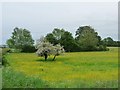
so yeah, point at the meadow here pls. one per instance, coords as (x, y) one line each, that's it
(0, 78)
(69, 70)
(0, 56)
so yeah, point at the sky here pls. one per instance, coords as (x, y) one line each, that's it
(0, 23)
(41, 18)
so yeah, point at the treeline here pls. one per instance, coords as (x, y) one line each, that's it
(110, 42)
(86, 39)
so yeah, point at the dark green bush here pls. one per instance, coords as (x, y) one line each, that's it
(4, 60)
(5, 50)
(28, 49)
(102, 48)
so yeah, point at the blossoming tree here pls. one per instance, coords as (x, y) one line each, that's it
(45, 48)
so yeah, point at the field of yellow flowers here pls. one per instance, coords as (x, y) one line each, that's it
(70, 70)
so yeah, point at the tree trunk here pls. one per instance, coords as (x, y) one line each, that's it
(54, 57)
(46, 56)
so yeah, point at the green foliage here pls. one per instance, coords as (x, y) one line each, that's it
(3, 59)
(0, 57)
(118, 43)
(10, 43)
(20, 38)
(87, 38)
(64, 38)
(5, 50)
(1, 78)
(12, 79)
(110, 42)
(55, 36)
(51, 38)
(28, 49)
(57, 33)
(68, 42)
(102, 48)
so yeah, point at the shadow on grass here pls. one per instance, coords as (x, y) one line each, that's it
(43, 60)
(50, 59)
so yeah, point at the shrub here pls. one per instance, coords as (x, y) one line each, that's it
(102, 48)
(28, 49)
(4, 60)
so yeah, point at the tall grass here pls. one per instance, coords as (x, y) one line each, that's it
(0, 78)
(13, 79)
(71, 70)
(0, 57)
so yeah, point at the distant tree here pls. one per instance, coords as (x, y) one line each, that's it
(87, 38)
(108, 41)
(64, 38)
(68, 42)
(28, 49)
(10, 43)
(45, 48)
(99, 41)
(55, 36)
(20, 38)
(118, 43)
(57, 33)
(51, 38)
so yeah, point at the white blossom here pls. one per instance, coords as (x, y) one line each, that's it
(44, 47)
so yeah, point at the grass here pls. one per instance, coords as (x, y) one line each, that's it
(0, 56)
(13, 79)
(70, 70)
(0, 78)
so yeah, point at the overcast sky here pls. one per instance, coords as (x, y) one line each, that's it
(42, 18)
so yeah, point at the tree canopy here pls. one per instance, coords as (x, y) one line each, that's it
(64, 38)
(55, 36)
(45, 48)
(87, 38)
(20, 38)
